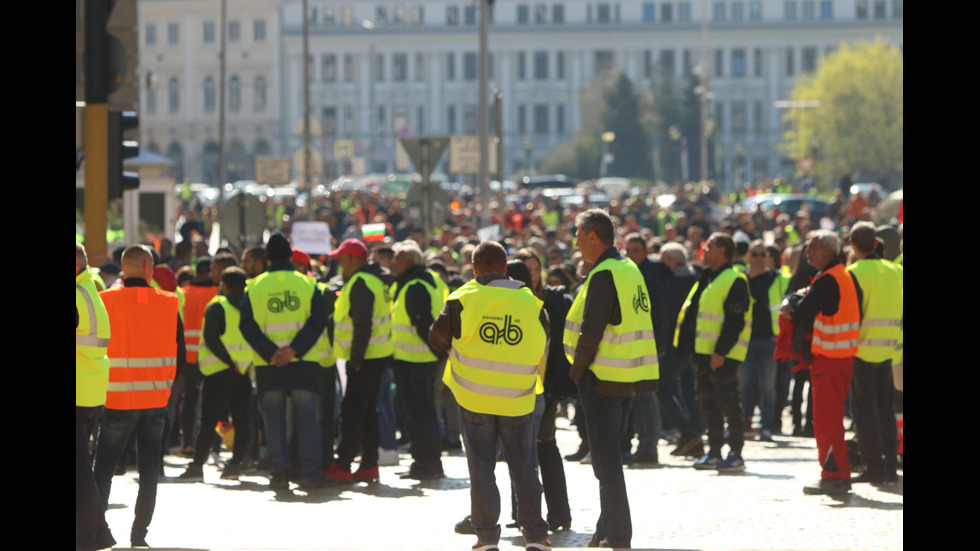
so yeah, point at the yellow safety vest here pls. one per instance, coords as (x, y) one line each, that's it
(232, 339)
(711, 315)
(281, 302)
(628, 351)
(493, 365)
(91, 343)
(777, 290)
(882, 306)
(408, 345)
(379, 345)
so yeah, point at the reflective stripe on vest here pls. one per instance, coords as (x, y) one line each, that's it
(628, 351)
(197, 298)
(409, 347)
(379, 343)
(837, 336)
(281, 302)
(493, 365)
(711, 315)
(882, 304)
(232, 339)
(91, 343)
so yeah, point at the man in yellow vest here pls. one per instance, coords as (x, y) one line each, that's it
(224, 360)
(497, 333)
(715, 323)
(282, 318)
(609, 340)
(882, 314)
(91, 381)
(362, 337)
(416, 302)
(146, 351)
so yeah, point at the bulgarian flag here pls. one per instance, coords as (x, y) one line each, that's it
(373, 232)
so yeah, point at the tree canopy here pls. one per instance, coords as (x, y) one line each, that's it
(858, 123)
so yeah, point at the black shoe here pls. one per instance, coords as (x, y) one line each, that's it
(464, 526)
(513, 524)
(231, 471)
(317, 483)
(194, 473)
(807, 432)
(556, 525)
(828, 487)
(577, 456)
(422, 474)
(279, 481)
(647, 458)
(686, 444)
(875, 479)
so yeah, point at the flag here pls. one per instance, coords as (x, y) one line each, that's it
(373, 232)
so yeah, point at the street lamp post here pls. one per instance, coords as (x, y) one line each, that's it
(607, 157)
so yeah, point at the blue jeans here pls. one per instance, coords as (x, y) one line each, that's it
(757, 376)
(481, 433)
(116, 428)
(646, 421)
(606, 419)
(306, 428)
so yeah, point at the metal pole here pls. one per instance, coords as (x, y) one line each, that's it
(222, 161)
(96, 129)
(483, 106)
(704, 90)
(308, 178)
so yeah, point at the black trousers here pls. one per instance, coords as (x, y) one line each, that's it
(717, 393)
(872, 394)
(222, 392)
(359, 415)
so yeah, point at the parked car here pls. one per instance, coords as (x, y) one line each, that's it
(774, 204)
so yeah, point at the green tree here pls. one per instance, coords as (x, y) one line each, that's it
(858, 123)
(678, 122)
(577, 158)
(625, 115)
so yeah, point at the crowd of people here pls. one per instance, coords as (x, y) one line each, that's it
(656, 322)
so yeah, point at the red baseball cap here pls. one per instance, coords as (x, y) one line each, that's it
(300, 256)
(352, 247)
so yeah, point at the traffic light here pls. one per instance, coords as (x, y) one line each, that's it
(119, 150)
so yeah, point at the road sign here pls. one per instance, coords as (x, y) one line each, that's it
(343, 149)
(464, 154)
(272, 171)
(242, 220)
(425, 152)
(427, 204)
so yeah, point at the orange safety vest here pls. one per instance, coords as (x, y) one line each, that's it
(143, 351)
(837, 336)
(195, 302)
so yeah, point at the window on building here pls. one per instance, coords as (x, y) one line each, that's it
(523, 14)
(398, 16)
(521, 66)
(328, 67)
(348, 68)
(379, 67)
(470, 120)
(898, 9)
(173, 95)
(616, 12)
(739, 61)
(208, 32)
(348, 121)
(738, 11)
(647, 63)
(718, 10)
(329, 16)
(452, 15)
(469, 66)
(210, 94)
(879, 9)
(755, 10)
(451, 119)
(347, 16)
(560, 65)
(719, 63)
(719, 118)
(420, 120)
(418, 15)
(740, 117)
(861, 9)
(329, 121)
(809, 10)
(683, 12)
(522, 119)
(381, 16)
(540, 65)
(541, 123)
(151, 100)
(757, 115)
(757, 62)
(558, 14)
(560, 119)
(258, 30)
(789, 10)
(419, 67)
(260, 94)
(540, 14)
(150, 34)
(667, 61)
(688, 61)
(469, 15)
(399, 67)
(603, 13)
(173, 34)
(826, 10)
(649, 12)
(790, 62)
(381, 128)
(451, 66)
(235, 94)
(604, 61)
(234, 31)
(588, 13)
(399, 120)
(809, 59)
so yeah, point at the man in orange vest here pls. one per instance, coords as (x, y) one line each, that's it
(145, 352)
(831, 308)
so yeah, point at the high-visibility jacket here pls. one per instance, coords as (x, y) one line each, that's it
(281, 301)
(143, 350)
(324, 344)
(179, 291)
(837, 336)
(232, 339)
(493, 365)
(409, 346)
(196, 300)
(379, 345)
(883, 299)
(628, 351)
(711, 316)
(777, 290)
(91, 343)
(441, 285)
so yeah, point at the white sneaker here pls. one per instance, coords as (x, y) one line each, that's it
(387, 458)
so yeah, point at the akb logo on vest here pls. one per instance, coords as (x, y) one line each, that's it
(510, 333)
(288, 301)
(640, 301)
